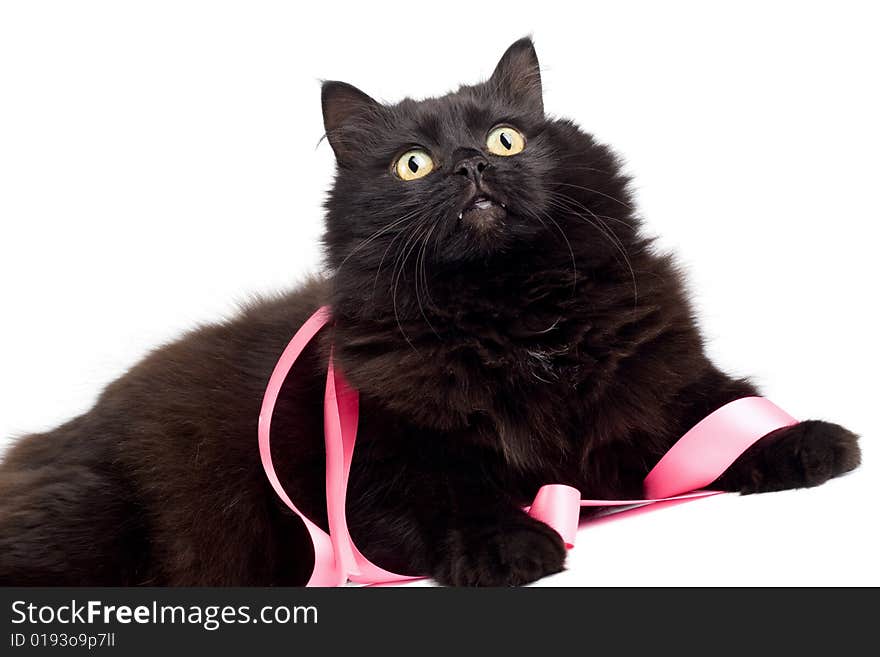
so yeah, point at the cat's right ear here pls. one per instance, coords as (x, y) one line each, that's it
(346, 109)
(518, 76)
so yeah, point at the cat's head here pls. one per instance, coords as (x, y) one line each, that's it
(477, 175)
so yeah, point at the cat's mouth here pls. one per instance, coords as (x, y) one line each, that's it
(483, 212)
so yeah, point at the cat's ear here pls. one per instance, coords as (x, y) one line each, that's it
(518, 76)
(346, 109)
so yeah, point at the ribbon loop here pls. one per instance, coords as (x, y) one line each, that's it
(559, 506)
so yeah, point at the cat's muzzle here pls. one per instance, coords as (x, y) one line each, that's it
(483, 213)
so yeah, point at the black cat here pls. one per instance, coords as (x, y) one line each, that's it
(506, 324)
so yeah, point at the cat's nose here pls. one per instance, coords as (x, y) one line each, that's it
(471, 167)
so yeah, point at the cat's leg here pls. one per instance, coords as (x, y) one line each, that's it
(65, 519)
(432, 514)
(803, 455)
(69, 517)
(236, 534)
(496, 547)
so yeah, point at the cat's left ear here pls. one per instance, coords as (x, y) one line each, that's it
(518, 76)
(347, 110)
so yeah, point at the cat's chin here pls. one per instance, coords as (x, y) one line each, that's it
(481, 237)
(482, 227)
(486, 228)
(481, 240)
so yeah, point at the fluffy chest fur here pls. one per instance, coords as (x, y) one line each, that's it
(543, 369)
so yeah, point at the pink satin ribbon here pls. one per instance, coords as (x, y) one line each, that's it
(694, 461)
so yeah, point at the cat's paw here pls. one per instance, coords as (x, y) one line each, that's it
(511, 552)
(805, 454)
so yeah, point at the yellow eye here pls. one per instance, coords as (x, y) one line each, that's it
(505, 141)
(414, 164)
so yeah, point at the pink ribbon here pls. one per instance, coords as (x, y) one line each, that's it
(697, 459)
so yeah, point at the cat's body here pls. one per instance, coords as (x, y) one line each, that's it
(535, 339)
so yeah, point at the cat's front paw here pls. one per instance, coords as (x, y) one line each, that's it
(511, 552)
(805, 454)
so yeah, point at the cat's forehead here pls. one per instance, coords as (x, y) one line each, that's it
(454, 116)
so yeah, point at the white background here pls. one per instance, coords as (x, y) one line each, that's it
(159, 162)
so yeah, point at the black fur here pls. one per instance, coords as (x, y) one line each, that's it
(547, 343)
